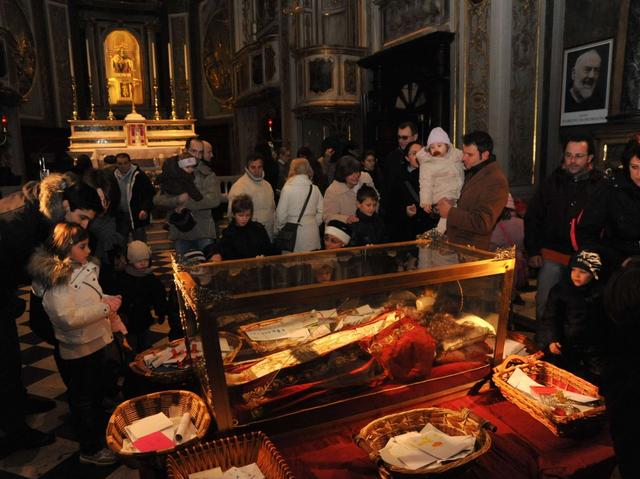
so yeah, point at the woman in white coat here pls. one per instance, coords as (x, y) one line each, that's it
(294, 192)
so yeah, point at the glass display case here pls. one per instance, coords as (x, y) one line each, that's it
(315, 336)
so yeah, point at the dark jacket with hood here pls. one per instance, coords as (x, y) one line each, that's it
(141, 290)
(368, 230)
(574, 317)
(247, 241)
(560, 198)
(176, 181)
(611, 221)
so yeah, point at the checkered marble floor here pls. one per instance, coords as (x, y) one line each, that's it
(40, 376)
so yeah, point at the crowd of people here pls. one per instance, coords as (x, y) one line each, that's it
(581, 233)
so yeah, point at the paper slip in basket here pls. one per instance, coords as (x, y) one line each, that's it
(403, 455)
(156, 441)
(147, 425)
(441, 445)
(250, 471)
(215, 473)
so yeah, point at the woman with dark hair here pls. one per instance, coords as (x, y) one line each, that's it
(621, 381)
(369, 162)
(610, 223)
(340, 197)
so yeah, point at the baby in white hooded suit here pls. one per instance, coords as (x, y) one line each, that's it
(441, 173)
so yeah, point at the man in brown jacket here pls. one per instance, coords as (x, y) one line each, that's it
(483, 196)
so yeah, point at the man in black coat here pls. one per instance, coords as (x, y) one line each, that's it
(553, 212)
(393, 166)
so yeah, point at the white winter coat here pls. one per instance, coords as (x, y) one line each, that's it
(292, 197)
(440, 177)
(261, 193)
(72, 299)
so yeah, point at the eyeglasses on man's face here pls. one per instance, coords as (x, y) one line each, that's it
(403, 137)
(576, 156)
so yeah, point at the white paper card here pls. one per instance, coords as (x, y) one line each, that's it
(148, 425)
(215, 473)
(438, 444)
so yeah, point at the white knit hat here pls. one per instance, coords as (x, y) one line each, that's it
(510, 203)
(185, 162)
(138, 251)
(438, 135)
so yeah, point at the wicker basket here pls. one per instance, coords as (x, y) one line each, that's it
(375, 435)
(174, 402)
(549, 375)
(229, 452)
(184, 374)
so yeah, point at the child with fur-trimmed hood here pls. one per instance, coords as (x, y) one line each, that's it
(84, 320)
(441, 173)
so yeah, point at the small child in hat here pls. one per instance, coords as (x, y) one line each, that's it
(141, 291)
(441, 173)
(336, 235)
(177, 176)
(572, 326)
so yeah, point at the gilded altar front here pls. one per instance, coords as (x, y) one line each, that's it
(141, 138)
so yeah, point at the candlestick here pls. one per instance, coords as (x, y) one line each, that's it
(156, 112)
(187, 113)
(74, 99)
(92, 111)
(349, 132)
(186, 63)
(86, 43)
(172, 89)
(170, 62)
(71, 69)
(110, 115)
(153, 61)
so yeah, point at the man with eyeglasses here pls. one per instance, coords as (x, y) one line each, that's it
(553, 212)
(391, 194)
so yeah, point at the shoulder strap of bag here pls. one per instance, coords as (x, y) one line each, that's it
(304, 207)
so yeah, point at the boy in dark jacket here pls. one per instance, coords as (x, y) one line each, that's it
(571, 328)
(369, 229)
(243, 238)
(141, 290)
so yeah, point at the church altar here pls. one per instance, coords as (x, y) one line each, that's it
(139, 137)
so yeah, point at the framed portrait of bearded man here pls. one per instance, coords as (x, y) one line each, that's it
(586, 83)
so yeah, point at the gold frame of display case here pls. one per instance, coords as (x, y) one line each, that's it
(202, 307)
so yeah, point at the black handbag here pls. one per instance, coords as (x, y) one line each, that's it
(286, 239)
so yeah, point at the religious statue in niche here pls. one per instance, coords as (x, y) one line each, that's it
(123, 67)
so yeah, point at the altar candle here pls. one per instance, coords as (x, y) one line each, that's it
(73, 73)
(186, 63)
(86, 44)
(153, 61)
(170, 61)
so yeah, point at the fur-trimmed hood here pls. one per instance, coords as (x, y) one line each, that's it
(50, 193)
(49, 271)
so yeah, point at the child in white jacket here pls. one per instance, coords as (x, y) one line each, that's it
(441, 173)
(83, 320)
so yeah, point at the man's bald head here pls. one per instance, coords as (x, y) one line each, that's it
(585, 74)
(208, 151)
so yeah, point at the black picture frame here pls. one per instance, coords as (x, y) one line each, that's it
(585, 100)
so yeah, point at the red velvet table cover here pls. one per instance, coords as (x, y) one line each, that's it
(522, 448)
